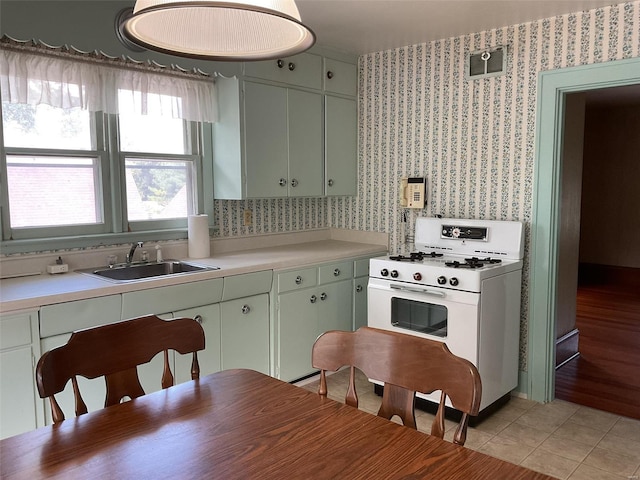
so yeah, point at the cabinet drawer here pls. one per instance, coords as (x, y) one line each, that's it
(171, 298)
(296, 279)
(340, 77)
(361, 267)
(71, 316)
(239, 286)
(335, 271)
(307, 70)
(15, 330)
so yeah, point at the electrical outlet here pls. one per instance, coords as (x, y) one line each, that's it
(248, 218)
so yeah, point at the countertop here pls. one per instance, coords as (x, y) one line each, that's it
(31, 292)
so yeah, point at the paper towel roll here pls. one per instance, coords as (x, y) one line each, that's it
(198, 228)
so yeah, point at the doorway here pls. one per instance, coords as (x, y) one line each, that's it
(598, 304)
(553, 87)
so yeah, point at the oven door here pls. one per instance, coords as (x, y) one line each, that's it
(449, 316)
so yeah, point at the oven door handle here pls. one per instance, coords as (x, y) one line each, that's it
(435, 293)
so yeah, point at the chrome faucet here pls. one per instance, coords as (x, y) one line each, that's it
(131, 252)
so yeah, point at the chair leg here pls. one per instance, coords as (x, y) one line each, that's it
(398, 401)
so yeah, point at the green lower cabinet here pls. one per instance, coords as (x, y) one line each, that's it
(209, 359)
(335, 311)
(244, 333)
(360, 302)
(20, 406)
(297, 330)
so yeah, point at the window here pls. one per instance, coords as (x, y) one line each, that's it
(104, 152)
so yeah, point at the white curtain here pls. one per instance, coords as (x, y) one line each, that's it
(66, 83)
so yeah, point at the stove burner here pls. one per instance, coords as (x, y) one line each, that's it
(422, 254)
(415, 257)
(473, 262)
(402, 258)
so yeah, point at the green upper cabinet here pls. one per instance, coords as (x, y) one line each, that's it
(303, 70)
(341, 146)
(340, 77)
(280, 135)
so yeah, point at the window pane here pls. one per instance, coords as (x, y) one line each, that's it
(42, 126)
(53, 191)
(158, 189)
(153, 132)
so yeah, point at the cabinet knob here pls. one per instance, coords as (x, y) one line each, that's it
(336, 272)
(198, 318)
(323, 296)
(282, 182)
(246, 309)
(330, 182)
(294, 182)
(329, 74)
(280, 63)
(313, 299)
(358, 288)
(292, 66)
(298, 280)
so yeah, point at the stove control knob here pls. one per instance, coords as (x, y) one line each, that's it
(384, 272)
(417, 276)
(442, 280)
(394, 274)
(454, 281)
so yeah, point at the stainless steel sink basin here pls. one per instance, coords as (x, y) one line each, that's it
(124, 272)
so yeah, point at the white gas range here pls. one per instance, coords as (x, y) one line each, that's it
(461, 287)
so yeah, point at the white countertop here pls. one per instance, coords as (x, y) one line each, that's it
(34, 291)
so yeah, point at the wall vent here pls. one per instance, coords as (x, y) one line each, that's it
(486, 63)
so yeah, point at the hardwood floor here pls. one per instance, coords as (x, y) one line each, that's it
(606, 375)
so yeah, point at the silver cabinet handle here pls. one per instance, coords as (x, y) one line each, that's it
(246, 309)
(292, 66)
(358, 288)
(294, 183)
(282, 182)
(198, 318)
(298, 280)
(336, 272)
(313, 299)
(323, 296)
(280, 63)
(330, 182)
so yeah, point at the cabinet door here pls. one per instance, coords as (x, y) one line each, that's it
(266, 149)
(340, 77)
(17, 392)
(360, 302)
(304, 70)
(335, 307)
(341, 145)
(297, 329)
(244, 333)
(209, 358)
(305, 144)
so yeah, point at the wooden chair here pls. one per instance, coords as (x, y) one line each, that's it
(406, 364)
(114, 351)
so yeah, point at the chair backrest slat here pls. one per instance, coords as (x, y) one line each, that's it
(114, 351)
(405, 364)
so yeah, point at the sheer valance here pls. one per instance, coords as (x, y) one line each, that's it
(35, 78)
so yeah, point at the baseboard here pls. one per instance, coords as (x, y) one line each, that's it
(567, 347)
(590, 274)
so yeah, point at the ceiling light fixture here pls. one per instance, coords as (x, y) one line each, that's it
(219, 29)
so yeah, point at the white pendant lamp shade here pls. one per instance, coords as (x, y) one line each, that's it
(219, 29)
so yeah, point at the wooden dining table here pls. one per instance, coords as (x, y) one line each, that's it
(240, 424)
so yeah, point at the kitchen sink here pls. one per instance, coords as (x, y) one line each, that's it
(126, 272)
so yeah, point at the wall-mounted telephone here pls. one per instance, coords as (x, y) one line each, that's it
(413, 192)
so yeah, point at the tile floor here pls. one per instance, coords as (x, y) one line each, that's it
(560, 439)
